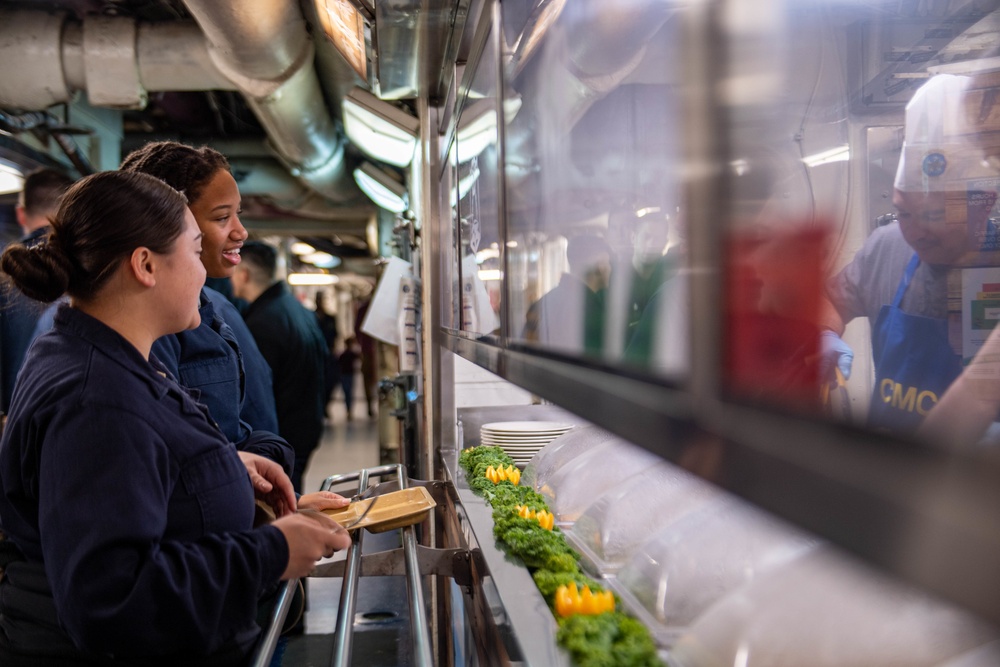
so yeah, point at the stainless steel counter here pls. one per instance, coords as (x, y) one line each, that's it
(527, 627)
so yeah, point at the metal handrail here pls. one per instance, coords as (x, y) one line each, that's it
(269, 639)
(419, 628)
(344, 633)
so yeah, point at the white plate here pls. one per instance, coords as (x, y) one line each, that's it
(523, 441)
(525, 427)
(520, 438)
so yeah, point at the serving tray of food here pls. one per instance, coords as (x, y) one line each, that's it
(385, 512)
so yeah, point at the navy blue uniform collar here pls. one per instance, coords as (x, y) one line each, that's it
(114, 346)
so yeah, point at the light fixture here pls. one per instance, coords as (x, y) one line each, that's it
(487, 253)
(477, 129)
(322, 260)
(300, 248)
(381, 187)
(312, 279)
(838, 154)
(465, 183)
(487, 275)
(345, 26)
(380, 129)
(11, 178)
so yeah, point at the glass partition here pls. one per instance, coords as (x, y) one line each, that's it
(595, 246)
(476, 174)
(860, 242)
(749, 213)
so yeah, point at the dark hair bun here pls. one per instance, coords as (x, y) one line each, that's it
(41, 273)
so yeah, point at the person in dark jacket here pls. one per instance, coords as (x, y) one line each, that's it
(347, 363)
(219, 358)
(37, 203)
(131, 513)
(327, 322)
(291, 341)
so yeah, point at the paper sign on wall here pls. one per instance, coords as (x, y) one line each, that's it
(382, 319)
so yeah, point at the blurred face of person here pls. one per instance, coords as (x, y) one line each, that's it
(650, 240)
(217, 212)
(599, 275)
(925, 227)
(182, 278)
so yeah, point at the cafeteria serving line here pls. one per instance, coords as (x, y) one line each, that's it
(672, 323)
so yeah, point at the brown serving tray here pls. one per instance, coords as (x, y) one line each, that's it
(392, 510)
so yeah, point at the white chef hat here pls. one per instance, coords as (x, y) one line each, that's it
(938, 144)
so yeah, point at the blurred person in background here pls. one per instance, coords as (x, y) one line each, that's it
(347, 364)
(570, 316)
(369, 361)
(292, 343)
(36, 205)
(899, 278)
(327, 322)
(127, 516)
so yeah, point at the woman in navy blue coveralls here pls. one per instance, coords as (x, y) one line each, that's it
(131, 513)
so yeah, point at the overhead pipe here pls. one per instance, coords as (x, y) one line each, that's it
(258, 47)
(49, 56)
(264, 48)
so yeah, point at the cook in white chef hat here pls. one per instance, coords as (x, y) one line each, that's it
(938, 143)
(934, 145)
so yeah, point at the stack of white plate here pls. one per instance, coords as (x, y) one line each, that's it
(521, 439)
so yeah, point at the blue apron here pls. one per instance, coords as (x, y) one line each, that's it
(914, 363)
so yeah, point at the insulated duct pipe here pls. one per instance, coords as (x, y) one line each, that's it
(47, 57)
(259, 48)
(264, 48)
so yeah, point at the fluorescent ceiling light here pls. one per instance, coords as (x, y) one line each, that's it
(300, 248)
(322, 260)
(838, 154)
(378, 128)
(381, 187)
(11, 178)
(477, 129)
(465, 184)
(312, 279)
(487, 253)
(489, 274)
(344, 25)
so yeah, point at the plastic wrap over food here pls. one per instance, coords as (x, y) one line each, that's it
(578, 483)
(695, 561)
(564, 449)
(612, 527)
(824, 610)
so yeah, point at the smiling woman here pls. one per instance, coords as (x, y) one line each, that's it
(220, 357)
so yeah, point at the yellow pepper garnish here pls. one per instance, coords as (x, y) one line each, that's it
(571, 601)
(545, 519)
(499, 474)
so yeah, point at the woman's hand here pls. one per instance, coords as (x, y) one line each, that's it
(270, 483)
(323, 500)
(310, 536)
